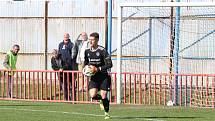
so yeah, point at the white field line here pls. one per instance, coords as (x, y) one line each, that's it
(76, 113)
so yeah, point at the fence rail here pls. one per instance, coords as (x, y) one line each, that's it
(195, 90)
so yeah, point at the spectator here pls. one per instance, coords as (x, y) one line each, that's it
(10, 64)
(65, 49)
(81, 45)
(57, 66)
(66, 52)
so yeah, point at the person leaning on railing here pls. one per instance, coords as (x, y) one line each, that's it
(10, 64)
(56, 64)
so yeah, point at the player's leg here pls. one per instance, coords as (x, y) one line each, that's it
(93, 93)
(105, 100)
(105, 86)
(93, 90)
(106, 103)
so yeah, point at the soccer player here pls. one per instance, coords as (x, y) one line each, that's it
(100, 61)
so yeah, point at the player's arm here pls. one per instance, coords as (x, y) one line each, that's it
(107, 60)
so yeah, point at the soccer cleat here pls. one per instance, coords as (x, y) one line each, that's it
(107, 116)
(101, 105)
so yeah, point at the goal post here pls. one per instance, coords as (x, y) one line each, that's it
(144, 39)
(166, 4)
(119, 53)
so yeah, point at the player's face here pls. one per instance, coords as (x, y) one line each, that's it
(93, 41)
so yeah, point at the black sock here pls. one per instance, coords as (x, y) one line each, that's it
(97, 97)
(106, 104)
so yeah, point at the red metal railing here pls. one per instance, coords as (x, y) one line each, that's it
(138, 88)
(158, 89)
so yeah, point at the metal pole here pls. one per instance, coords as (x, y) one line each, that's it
(106, 25)
(109, 30)
(119, 52)
(109, 26)
(171, 40)
(106, 35)
(176, 52)
(150, 44)
(172, 30)
(46, 34)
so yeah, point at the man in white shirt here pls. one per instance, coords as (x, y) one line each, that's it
(81, 45)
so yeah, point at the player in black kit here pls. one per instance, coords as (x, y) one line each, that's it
(100, 61)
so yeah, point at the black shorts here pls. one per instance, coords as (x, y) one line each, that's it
(100, 81)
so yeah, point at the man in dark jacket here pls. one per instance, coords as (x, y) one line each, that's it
(66, 52)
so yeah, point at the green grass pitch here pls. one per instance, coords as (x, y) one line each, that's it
(44, 111)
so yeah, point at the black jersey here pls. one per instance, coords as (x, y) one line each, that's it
(98, 58)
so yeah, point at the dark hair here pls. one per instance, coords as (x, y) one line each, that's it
(95, 34)
(16, 46)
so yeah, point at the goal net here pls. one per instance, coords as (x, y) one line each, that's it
(149, 42)
(172, 37)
